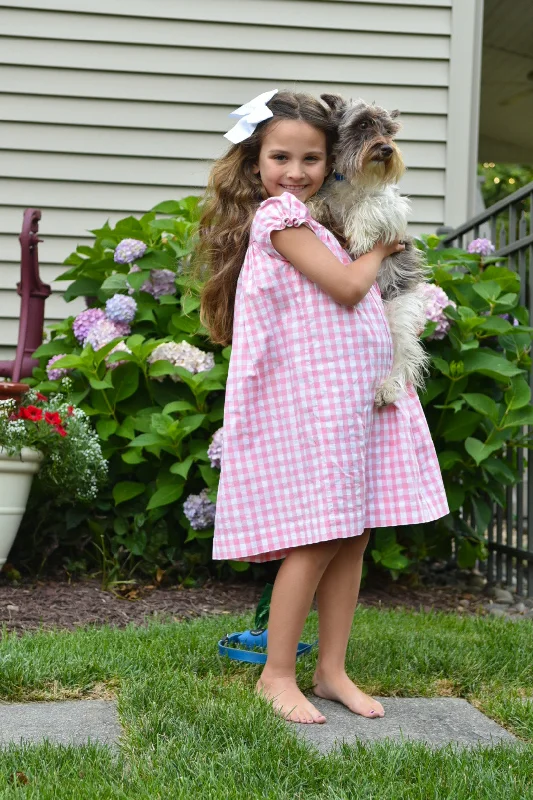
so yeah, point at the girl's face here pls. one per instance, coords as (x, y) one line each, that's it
(293, 159)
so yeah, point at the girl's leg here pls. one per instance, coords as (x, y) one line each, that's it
(293, 592)
(337, 595)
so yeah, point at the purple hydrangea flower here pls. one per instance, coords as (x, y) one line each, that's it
(214, 451)
(436, 302)
(184, 355)
(128, 250)
(161, 282)
(123, 328)
(482, 246)
(199, 510)
(121, 308)
(102, 333)
(60, 372)
(85, 321)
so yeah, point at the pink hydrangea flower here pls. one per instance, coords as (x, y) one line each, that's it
(482, 246)
(436, 301)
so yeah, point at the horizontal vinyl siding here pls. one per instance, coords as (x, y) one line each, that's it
(107, 108)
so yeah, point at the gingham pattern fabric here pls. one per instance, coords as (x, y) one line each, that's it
(306, 456)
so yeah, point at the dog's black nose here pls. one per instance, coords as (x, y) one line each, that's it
(386, 150)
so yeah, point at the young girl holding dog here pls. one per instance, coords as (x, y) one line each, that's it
(309, 465)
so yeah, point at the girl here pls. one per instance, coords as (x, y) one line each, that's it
(308, 465)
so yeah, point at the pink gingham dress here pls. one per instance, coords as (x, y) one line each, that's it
(306, 456)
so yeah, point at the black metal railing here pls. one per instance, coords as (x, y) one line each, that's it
(508, 224)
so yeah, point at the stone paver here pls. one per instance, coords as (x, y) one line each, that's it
(435, 721)
(62, 722)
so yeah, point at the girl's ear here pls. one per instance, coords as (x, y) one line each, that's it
(255, 169)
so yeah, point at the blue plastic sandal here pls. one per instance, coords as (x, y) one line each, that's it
(252, 638)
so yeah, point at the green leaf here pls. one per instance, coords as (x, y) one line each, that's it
(488, 290)
(467, 554)
(486, 363)
(460, 426)
(520, 417)
(482, 404)
(126, 429)
(80, 288)
(178, 405)
(166, 495)
(441, 365)
(106, 428)
(482, 514)
(98, 384)
(126, 490)
(149, 440)
(189, 303)
(480, 450)
(69, 362)
(394, 560)
(456, 496)
(192, 422)
(182, 467)
(136, 279)
(519, 393)
(53, 348)
(115, 283)
(125, 380)
(447, 459)
(501, 471)
(132, 457)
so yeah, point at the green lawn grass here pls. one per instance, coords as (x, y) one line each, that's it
(194, 729)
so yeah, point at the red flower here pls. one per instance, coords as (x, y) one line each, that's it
(52, 417)
(32, 413)
(70, 411)
(42, 397)
(61, 431)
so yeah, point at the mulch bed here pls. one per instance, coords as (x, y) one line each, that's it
(59, 604)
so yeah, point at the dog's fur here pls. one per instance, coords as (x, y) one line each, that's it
(367, 206)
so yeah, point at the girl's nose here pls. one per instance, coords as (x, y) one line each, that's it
(296, 170)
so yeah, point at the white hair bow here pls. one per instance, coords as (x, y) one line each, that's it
(251, 114)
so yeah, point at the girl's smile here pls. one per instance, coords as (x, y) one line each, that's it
(292, 159)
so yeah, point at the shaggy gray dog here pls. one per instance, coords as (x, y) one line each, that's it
(363, 200)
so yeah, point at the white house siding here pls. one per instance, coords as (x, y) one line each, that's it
(108, 107)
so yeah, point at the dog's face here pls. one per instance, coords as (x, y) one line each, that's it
(366, 152)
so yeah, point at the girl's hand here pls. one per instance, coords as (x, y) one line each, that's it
(384, 250)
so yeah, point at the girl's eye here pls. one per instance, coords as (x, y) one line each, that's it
(312, 158)
(279, 157)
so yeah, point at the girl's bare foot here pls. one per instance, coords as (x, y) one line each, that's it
(343, 690)
(288, 701)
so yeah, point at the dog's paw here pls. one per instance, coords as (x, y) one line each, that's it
(385, 395)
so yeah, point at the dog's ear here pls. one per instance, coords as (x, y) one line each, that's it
(395, 113)
(333, 101)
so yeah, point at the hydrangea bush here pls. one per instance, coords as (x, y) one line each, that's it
(476, 399)
(144, 371)
(153, 385)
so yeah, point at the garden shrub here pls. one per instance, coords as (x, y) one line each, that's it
(160, 423)
(476, 400)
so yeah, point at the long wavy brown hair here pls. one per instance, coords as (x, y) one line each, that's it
(232, 197)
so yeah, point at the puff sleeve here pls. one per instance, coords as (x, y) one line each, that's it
(275, 214)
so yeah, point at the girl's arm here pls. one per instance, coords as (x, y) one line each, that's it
(346, 284)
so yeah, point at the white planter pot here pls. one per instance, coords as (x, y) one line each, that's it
(16, 475)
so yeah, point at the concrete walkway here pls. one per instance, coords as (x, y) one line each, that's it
(435, 721)
(62, 722)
